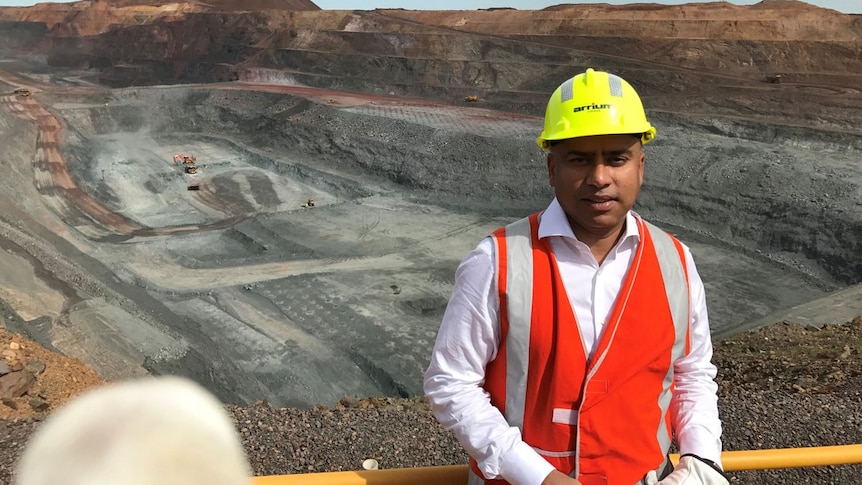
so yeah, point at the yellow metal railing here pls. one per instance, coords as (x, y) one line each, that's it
(437, 475)
(457, 474)
(791, 457)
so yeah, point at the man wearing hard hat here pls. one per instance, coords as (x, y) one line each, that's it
(576, 346)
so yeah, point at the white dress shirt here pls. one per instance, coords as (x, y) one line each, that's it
(469, 338)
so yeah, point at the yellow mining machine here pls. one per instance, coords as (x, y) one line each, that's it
(185, 159)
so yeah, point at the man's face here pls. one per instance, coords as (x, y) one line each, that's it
(596, 180)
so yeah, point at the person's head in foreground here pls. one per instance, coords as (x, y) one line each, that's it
(153, 431)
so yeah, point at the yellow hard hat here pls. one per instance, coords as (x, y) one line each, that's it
(594, 103)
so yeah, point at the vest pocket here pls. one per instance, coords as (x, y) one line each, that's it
(593, 480)
(564, 461)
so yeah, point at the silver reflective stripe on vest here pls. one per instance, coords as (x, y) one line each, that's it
(676, 287)
(519, 276)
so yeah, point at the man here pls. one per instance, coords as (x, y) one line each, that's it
(576, 346)
(152, 431)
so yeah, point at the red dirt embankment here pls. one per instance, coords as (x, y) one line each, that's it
(34, 380)
(784, 20)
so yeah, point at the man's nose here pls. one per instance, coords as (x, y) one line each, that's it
(599, 175)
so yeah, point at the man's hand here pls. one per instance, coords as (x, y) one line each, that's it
(691, 470)
(558, 478)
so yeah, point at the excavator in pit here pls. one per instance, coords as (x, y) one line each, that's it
(188, 161)
(185, 159)
(189, 167)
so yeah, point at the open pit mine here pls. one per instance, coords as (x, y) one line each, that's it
(272, 198)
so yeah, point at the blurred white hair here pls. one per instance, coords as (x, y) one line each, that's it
(152, 431)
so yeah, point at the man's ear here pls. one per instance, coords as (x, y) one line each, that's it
(551, 171)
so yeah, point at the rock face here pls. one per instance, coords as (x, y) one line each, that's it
(222, 5)
(362, 110)
(35, 380)
(780, 387)
(496, 54)
(155, 280)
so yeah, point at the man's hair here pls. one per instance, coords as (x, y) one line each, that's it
(153, 431)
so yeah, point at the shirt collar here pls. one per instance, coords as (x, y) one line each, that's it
(555, 223)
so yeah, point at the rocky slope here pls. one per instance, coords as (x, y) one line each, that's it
(220, 5)
(783, 386)
(708, 52)
(700, 68)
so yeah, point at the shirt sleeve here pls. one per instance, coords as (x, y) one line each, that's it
(694, 406)
(468, 339)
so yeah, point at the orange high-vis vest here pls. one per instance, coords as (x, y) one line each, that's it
(603, 420)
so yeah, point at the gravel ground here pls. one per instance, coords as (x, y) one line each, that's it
(779, 387)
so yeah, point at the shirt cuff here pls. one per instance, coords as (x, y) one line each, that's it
(523, 466)
(703, 450)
